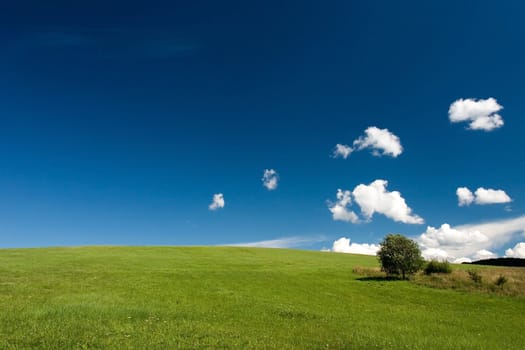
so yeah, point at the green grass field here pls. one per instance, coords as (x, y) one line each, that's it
(237, 298)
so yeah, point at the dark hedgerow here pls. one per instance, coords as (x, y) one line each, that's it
(435, 266)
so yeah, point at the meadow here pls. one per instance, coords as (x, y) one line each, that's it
(238, 298)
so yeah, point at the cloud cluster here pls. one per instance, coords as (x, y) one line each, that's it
(380, 141)
(342, 245)
(217, 202)
(481, 196)
(373, 198)
(270, 179)
(470, 242)
(517, 252)
(480, 114)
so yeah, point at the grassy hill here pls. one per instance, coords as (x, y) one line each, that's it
(243, 298)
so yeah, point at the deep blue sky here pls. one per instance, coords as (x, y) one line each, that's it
(120, 120)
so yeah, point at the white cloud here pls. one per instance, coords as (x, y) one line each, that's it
(490, 196)
(342, 245)
(473, 240)
(462, 260)
(517, 252)
(374, 198)
(482, 196)
(270, 179)
(217, 202)
(449, 239)
(465, 196)
(381, 141)
(484, 254)
(434, 254)
(284, 242)
(340, 210)
(342, 151)
(481, 114)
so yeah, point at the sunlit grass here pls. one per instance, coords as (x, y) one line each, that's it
(236, 298)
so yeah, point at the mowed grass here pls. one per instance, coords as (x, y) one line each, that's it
(235, 298)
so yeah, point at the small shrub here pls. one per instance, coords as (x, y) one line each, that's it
(474, 276)
(435, 266)
(501, 281)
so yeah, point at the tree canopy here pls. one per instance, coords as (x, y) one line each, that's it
(399, 256)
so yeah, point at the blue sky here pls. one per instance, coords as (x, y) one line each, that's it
(121, 121)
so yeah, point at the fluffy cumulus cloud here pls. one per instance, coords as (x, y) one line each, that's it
(480, 114)
(470, 242)
(517, 252)
(342, 151)
(340, 210)
(482, 196)
(270, 179)
(465, 196)
(381, 141)
(217, 202)
(373, 198)
(343, 245)
(489, 196)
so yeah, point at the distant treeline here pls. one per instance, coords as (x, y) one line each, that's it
(500, 262)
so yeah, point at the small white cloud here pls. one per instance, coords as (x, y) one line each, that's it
(490, 196)
(481, 114)
(342, 245)
(484, 254)
(374, 198)
(517, 252)
(340, 210)
(482, 196)
(342, 151)
(465, 196)
(270, 179)
(381, 141)
(217, 202)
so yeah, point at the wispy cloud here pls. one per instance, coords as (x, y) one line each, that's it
(283, 242)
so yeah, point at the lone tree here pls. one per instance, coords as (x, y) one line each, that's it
(399, 256)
